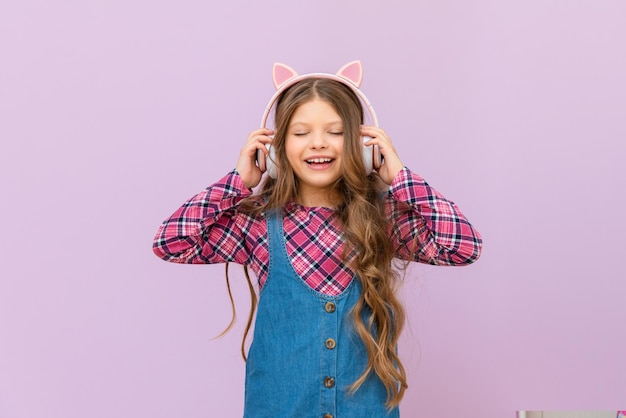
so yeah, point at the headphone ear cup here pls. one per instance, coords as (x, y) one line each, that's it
(368, 156)
(270, 165)
(378, 157)
(266, 163)
(372, 159)
(261, 161)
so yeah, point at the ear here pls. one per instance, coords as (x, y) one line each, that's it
(353, 71)
(282, 73)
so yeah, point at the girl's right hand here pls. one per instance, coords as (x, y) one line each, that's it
(247, 168)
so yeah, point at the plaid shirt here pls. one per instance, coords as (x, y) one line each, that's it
(209, 228)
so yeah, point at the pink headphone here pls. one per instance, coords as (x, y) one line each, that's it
(351, 75)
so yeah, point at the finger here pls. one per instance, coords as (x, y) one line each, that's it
(266, 139)
(254, 147)
(260, 133)
(380, 140)
(375, 133)
(372, 129)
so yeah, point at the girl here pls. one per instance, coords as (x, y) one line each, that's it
(320, 237)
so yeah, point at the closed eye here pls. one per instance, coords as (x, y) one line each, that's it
(336, 133)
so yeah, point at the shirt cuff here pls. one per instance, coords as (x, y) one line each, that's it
(236, 184)
(408, 187)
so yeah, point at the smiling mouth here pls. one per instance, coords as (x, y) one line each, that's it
(319, 161)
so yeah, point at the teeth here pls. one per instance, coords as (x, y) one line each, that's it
(319, 160)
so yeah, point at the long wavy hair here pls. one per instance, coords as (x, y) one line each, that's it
(378, 315)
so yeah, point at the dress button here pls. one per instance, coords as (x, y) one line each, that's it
(330, 307)
(328, 416)
(329, 382)
(330, 343)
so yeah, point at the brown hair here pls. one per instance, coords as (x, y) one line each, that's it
(365, 228)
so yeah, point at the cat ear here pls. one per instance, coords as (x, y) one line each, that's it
(282, 73)
(352, 71)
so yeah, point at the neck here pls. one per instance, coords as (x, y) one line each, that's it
(319, 198)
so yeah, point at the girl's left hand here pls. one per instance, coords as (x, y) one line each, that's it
(391, 165)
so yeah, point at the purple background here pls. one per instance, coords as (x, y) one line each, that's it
(114, 112)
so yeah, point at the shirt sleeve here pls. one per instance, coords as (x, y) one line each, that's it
(208, 228)
(427, 227)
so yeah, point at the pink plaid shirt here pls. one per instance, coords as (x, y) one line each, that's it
(209, 228)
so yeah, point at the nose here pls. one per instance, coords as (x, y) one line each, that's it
(318, 140)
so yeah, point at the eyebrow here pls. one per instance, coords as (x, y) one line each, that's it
(333, 123)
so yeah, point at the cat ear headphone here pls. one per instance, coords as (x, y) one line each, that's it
(351, 75)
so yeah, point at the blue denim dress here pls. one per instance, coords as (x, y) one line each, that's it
(305, 353)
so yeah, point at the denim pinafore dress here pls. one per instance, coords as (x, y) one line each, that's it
(305, 353)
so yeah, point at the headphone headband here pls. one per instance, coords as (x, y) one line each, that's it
(344, 76)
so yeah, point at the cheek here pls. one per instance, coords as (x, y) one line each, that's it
(340, 145)
(291, 152)
(288, 148)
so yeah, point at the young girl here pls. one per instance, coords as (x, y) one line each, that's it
(320, 237)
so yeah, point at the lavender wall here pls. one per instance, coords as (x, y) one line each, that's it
(114, 112)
